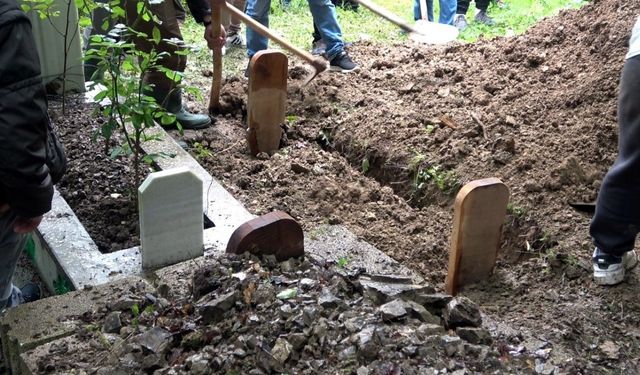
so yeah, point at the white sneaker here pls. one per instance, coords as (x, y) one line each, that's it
(610, 269)
(234, 40)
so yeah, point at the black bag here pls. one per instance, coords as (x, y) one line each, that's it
(56, 158)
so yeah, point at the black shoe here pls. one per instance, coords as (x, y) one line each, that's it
(246, 71)
(342, 63)
(482, 17)
(30, 292)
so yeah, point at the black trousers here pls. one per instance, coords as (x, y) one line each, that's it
(463, 6)
(616, 222)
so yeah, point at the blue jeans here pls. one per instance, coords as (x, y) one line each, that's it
(324, 16)
(447, 11)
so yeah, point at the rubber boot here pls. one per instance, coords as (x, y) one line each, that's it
(173, 104)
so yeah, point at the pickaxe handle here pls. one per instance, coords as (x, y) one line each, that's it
(389, 16)
(264, 31)
(318, 63)
(216, 83)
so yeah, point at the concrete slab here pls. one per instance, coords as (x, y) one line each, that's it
(327, 243)
(64, 249)
(171, 222)
(30, 325)
(338, 244)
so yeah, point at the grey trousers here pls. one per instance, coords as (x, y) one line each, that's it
(11, 245)
(616, 222)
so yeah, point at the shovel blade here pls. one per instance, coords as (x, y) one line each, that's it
(433, 33)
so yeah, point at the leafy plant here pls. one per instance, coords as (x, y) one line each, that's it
(61, 285)
(365, 165)
(135, 310)
(201, 151)
(516, 211)
(445, 181)
(129, 111)
(343, 262)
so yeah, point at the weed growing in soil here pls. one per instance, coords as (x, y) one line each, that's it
(518, 212)
(201, 151)
(343, 262)
(446, 181)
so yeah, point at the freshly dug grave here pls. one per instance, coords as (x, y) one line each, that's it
(248, 315)
(537, 111)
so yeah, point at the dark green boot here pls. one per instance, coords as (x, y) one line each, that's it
(173, 105)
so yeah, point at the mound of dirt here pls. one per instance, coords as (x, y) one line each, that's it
(537, 110)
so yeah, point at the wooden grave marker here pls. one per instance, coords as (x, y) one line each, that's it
(266, 105)
(171, 220)
(275, 233)
(479, 213)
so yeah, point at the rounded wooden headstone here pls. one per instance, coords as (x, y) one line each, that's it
(275, 233)
(479, 213)
(266, 104)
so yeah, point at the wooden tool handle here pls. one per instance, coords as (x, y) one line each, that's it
(423, 10)
(216, 83)
(264, 31)
(389, 16)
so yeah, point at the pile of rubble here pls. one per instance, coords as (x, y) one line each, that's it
(245, 315)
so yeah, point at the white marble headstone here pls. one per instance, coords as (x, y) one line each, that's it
(171, 219)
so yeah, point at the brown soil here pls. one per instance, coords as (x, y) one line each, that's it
(537, 111)
(97, 187)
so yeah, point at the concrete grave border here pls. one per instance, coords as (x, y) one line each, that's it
(65, 253)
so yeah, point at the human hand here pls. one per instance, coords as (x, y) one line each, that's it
(213, 42)
(25, 225)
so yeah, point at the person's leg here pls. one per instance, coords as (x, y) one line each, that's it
(11, 245)
(447, 11)
(168, 27)
(259, 11)
(324, 16)
(233, 25)
(462, 6)
(316, 33)
(482, 15)
(164, 88)
(417, 11)
(617, 219)
(181, 13)
(318, 46)
(429, 10)
(460, 19)
(482, 5)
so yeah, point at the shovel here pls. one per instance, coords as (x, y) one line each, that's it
(318, 64)
(423, 31)
(216, 82)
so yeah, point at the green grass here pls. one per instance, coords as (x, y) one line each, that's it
(295, 25)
